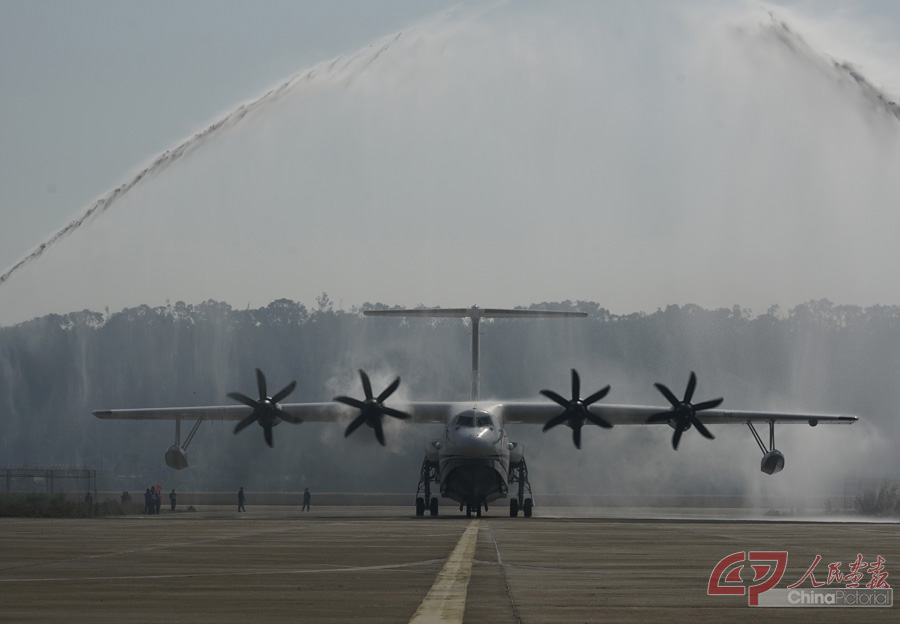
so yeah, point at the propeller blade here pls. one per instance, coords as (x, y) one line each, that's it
(389, 390)
(576, 410)
(555, 398)
(379, 432)
(679, 429)
(668, 394)
(708, 404)
(596, 396)
(372, 411)
(265, 411)
(244, 423)
(684, 413)
(600, 422)
(576, 385)
(243, 398)
(261, 385)
(284, 392)
(350, 401)
(390, 411)
(367, 385)
(692, 385)
(556, 420)
(283, 415)
(702, 428)
(359, 420)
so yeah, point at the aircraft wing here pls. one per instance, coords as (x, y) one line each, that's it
(437, 412)
(538, 413)
(420, 412)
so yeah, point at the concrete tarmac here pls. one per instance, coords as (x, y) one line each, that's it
(378, 564)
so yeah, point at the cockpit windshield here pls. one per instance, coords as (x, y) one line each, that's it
(466, 420)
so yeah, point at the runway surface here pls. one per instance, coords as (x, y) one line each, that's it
(382, 564)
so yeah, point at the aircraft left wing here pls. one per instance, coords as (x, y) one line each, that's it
(538, 413)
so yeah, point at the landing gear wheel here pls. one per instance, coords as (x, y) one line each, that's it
(478, 511)
(513, 507)
(433, 506)
(468, 511)
(526, 507)
(420, 506)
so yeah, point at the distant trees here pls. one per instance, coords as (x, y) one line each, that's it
(54, 370)
(879, 502)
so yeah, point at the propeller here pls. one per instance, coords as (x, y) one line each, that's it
(576, 411)
(684, 413)
(372, 410)
(266, 410)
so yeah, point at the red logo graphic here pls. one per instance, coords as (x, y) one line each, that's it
(765, 575)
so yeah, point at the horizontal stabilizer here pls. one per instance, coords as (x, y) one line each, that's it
(476, 312)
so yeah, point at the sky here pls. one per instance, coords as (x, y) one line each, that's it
(637, 154)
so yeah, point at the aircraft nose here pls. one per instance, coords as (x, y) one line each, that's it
(475, 442)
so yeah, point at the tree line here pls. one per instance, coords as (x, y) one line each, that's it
(55, 369)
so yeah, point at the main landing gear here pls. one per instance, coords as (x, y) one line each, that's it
(518, 473)
(427, 476)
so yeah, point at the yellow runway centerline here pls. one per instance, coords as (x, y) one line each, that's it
(446, 600)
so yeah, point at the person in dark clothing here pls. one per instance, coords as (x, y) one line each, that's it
(241, 499)
(172, 496)
(306, 497)
(154, 500)
(148, 500)
(88, 498)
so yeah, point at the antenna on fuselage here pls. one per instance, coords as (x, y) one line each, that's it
(475, 314)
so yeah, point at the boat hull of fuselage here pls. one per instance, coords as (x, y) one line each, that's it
(473, 481)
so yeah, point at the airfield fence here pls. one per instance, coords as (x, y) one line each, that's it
(50, 480)
(785, 504)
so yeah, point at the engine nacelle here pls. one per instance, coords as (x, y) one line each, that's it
(433, 451)
(516, 452)
(176, 457)
(772, 462)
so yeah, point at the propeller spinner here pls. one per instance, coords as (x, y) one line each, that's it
(372, 410)
(684, 413)
(266, 410)
(576, 412)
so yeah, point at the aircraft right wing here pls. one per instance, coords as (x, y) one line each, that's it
(421, 412)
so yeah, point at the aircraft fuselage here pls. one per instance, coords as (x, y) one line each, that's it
(473, 458)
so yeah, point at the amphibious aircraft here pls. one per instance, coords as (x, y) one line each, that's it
(474, 462)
